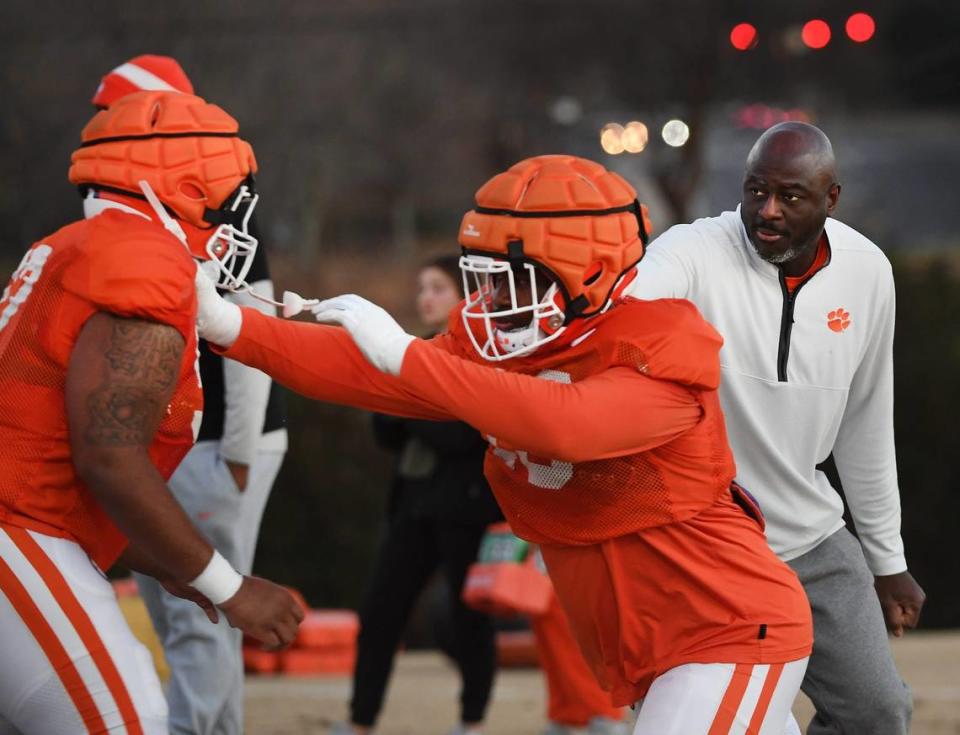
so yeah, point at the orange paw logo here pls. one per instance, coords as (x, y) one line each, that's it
(838, 320)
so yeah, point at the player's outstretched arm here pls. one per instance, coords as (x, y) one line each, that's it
(120, 379)
(617, 412)
(316, 361)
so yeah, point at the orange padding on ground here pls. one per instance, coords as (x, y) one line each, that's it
(517, 649)
(308, 662)
(256, 661)
(328, 629)
(325, 644)
(125, 587)
(507, 588)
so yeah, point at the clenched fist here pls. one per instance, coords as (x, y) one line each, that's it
(264, 611)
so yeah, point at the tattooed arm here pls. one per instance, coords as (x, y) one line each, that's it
(120, 379)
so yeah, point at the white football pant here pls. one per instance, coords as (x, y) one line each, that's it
(722, 699)
(68, 661)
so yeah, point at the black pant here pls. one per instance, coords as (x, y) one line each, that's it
(411, 552)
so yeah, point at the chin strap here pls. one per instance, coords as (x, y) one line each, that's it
(168, 222)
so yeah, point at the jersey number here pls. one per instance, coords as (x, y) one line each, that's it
(552, 476)
(21, 282)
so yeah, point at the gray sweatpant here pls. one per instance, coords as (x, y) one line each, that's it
(205, 692)
(851, 678)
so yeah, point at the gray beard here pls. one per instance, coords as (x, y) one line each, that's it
(785, 257)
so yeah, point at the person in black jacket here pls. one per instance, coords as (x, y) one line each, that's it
(438, 510)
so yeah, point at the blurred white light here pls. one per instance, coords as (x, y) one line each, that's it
(675, 133)
(793, 41)
(611, 138)
(566, 110)
(635, 137)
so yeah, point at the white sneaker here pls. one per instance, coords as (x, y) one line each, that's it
(342, 728)
(606, 726)
(463, 730)
(555, 728)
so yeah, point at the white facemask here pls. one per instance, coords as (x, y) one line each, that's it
(479, 273)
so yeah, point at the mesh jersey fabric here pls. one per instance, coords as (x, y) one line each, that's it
(549, 501)
(115, 262)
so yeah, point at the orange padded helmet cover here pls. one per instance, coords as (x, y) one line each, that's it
(188, 150)
(572, 216)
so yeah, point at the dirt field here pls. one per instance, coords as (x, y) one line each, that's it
(422, 700)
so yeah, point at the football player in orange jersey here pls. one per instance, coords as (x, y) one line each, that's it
(607, 442)
(100, 401)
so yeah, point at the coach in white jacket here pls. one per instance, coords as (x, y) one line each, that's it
(805, 305)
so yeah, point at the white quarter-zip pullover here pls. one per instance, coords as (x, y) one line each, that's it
(804, 375)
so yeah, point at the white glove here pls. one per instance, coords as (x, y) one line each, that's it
(381, 340)
(218, 321)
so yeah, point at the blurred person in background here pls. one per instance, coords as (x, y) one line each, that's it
(223, 483)
(438, 509)
(805, 305)
(607, 444)
(101, 400)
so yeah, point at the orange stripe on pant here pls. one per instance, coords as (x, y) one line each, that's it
(55, 652)
(766, 694)
(727, 711)
(82, 624)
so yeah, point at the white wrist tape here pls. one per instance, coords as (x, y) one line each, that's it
(218, 320)
(219, 581)
(222, 324)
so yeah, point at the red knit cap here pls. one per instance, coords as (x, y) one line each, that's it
(158, 73)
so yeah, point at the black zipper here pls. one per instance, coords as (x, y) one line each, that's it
(786, 316)
(786, 326)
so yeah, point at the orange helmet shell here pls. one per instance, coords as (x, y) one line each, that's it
(188, 150)
(571, 216)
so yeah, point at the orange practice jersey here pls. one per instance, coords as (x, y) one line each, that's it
(115, 262)
(612, 455)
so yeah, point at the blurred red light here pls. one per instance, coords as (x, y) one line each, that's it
(743, 37)
(815, 34)
(860, 27)
(760, 117)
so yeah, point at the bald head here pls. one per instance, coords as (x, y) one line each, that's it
(797, 143)
(789, 189)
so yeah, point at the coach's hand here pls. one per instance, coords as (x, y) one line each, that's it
(901, 599)
(377, 334)
(265, 611)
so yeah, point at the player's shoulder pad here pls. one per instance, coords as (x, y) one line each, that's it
(666, 339)
(133, 267)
